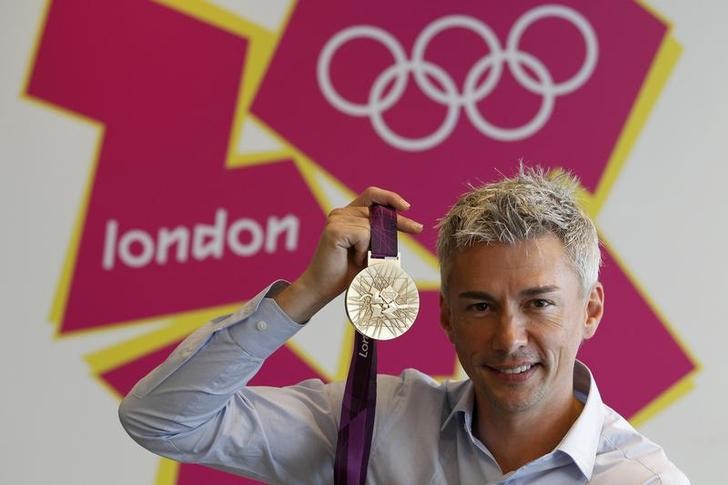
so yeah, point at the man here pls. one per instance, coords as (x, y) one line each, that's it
(520, 292)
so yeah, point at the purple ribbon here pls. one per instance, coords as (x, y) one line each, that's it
(357, 415)
(383, 222)
(360, 394)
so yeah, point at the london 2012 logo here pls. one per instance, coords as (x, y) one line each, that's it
(226, 135)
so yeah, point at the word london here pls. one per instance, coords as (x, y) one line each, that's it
(244, 237)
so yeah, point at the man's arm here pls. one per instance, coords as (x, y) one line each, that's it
(195, 406)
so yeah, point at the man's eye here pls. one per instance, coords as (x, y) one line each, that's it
(479, 307)
(541, 303)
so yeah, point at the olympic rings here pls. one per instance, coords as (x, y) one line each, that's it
(445, 91)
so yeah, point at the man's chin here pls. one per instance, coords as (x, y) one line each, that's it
(511, 395)
(513, 405)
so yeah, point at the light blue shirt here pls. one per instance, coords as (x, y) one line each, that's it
(195, 407)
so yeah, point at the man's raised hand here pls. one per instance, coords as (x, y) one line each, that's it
(341, 253)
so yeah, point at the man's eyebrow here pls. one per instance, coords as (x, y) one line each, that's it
(528, 292)
(539, 290)
(476, 295)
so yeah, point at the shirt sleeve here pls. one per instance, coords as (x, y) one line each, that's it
(195, 406)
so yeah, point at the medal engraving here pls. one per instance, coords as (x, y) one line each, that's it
(382, 301)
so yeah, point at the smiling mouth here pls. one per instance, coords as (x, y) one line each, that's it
(516, 370)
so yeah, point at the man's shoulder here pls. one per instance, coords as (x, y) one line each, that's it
(626, 454)
(410, 384)
(413, 381)
(417, 392)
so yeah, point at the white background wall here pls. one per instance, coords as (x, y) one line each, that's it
(665, 217)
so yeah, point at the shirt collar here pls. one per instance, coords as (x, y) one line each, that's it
(460, 397)
(580, 442)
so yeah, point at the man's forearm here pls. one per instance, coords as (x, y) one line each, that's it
(300, 302)
(189, 390)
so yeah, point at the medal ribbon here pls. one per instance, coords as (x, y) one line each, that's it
(360, 394)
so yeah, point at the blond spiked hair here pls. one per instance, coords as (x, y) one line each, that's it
(531, 204)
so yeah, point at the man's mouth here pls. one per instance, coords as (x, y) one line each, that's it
(513, 373)
(515, 370)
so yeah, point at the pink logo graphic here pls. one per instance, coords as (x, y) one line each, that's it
(168, 227)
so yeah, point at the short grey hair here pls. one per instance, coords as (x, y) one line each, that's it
(531, 204)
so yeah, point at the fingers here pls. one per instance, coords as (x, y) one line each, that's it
(405, 224)
(359, 216)
(375, 195)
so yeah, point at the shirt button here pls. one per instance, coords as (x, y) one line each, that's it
(261, 325)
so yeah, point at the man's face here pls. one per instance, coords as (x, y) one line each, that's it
(517, 315)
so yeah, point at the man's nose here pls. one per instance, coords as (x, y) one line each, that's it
(510, 334)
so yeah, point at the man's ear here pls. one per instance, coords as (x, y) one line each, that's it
(445, 321)
(594, 310)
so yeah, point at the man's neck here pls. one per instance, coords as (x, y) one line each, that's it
(518, 438)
